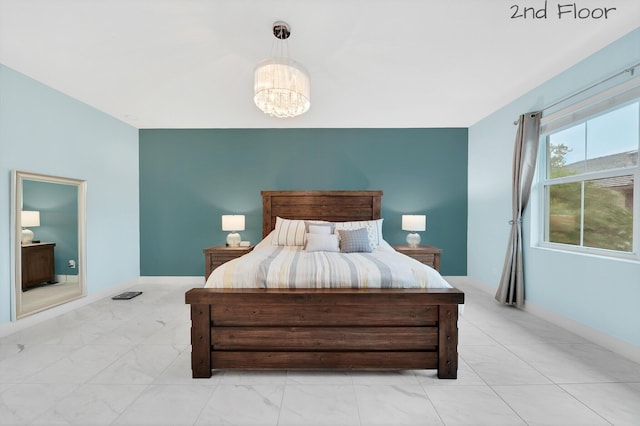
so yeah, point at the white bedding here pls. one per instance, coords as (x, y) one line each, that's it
(271, 266)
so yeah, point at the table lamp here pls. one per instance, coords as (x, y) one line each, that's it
(233, 223)
(413, 223)
(28, 219)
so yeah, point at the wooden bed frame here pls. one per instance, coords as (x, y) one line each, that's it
(377, 329)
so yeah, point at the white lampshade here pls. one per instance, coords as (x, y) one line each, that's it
(414, 222)
(29, 218)
(282, 88)
(233, 223)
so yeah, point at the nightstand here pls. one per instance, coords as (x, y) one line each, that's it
(37, 264)
(428, 255)
(215, 256)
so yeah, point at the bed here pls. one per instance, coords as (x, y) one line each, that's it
(323, 328)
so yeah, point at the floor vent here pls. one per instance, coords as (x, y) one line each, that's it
(127, 295)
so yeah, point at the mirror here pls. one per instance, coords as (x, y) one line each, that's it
(49, 223)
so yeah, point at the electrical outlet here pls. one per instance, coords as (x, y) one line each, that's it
(72, 264)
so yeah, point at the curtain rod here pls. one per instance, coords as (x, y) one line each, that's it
(630, 70)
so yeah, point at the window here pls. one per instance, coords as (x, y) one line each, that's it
(588, 169)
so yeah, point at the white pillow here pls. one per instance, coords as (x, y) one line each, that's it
(320, 229)
(319, 223)
(288, 232)
(322, 242)
(374, 230)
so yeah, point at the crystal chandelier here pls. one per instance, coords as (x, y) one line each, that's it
(282, 87)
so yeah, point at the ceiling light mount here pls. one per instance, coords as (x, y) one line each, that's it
(281, 30)
(281, 86)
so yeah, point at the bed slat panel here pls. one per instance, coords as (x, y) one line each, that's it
(326, 200)
(327, 338)
(329, 213)
(278, 315)
(325, 208)
(324, 360)
(326, 297)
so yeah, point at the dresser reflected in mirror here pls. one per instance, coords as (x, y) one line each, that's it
(49, 222)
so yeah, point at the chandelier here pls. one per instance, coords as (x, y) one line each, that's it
(281, 86)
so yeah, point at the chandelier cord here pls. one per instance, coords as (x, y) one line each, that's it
(278, 46)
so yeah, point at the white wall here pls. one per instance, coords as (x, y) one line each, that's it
(45, 131)
(599, 293)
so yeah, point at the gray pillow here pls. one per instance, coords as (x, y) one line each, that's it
(354, 241)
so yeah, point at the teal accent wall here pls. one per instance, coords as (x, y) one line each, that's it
(189, 178)
(58, 207)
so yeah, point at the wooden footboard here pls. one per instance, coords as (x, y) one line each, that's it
(384, 329)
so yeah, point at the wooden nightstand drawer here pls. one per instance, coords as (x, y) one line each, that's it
(428, 255)
(429, 259)
(217, 255)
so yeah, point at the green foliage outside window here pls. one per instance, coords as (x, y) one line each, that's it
(608, 213)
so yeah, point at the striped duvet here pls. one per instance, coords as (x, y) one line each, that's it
(270, 266)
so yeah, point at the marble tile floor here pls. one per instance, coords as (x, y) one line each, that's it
(127, 363)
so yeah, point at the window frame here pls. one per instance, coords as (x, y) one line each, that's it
(603, 103)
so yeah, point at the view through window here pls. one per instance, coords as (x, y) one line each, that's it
(589, 180)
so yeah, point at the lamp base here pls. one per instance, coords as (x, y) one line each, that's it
(27, 236)
(413, 239)
(233, 239)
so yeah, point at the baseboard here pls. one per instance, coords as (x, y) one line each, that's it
(195, 281)
(26, 322)
(611, 343)
(482, 286)
(67, 278)
(614, 344)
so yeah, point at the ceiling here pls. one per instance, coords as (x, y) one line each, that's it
(373, 63)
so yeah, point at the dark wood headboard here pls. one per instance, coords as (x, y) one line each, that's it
(333, 206)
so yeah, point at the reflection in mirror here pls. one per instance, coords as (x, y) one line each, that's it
(49, 241)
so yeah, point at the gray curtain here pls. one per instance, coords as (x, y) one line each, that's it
(525, 152)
